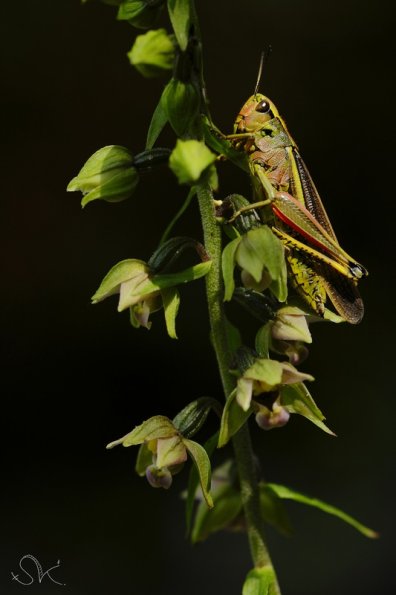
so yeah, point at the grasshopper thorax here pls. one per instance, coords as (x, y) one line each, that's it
(254, 114)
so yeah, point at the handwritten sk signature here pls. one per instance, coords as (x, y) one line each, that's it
(39, 569)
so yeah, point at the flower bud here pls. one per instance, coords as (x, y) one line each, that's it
(181, 104)
(159, 478)
(108, 175)
(291, 325)
(153, 53)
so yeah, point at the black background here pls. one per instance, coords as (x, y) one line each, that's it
(75, 377)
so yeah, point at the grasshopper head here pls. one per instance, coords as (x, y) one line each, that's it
(255, 113)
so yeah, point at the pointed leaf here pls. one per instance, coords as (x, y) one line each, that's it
(273, 510)
(156, 427)
(260, 581)
(296, 398)
(157, 124)
(232, 419)
(233, 336)
(180, 17)
(202, 463)
(216, 140)
(228, 265)
(171, 301)
(193, 480)
(289, 494)
(263, 339)
(159, 282)
(227, 506)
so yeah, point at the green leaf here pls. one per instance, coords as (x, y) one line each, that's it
(157, 124)
(190, 419)
(180, 16)
(228, 265)
(227, 506)
(232, 419)
(260, 249)
(296, 398)
(143, 460)
(189, 159)
(171, 302)
(263, 339)
(216, 140)
(233, 336)
(156, 427)
(202, 463)
(260, 581)
(193, 480)
(289, 494)
(119, 273)
(160, 282)
(153, 53)
(273, 510)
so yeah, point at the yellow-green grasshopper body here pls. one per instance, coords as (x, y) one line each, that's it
(318, 266)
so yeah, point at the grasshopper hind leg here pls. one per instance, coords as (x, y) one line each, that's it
(343, 293)
(306, 282)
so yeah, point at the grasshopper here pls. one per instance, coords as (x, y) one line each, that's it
(318, 267)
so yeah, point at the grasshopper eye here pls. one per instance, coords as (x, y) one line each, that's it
(263, 107)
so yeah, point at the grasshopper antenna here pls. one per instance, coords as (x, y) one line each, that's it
(265, 54)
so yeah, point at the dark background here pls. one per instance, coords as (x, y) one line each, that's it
(75, 377)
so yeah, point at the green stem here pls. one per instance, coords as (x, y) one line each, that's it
(241, 441)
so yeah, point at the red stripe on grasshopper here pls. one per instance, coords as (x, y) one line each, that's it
(299, 230)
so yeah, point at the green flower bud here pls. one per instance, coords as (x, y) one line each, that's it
(181, 104)
(140, 13)
(189, 159)
(108, 175)
(152, 53)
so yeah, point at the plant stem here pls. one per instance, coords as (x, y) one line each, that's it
(241, 441)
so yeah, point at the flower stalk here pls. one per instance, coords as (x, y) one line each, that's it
(241, 441)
